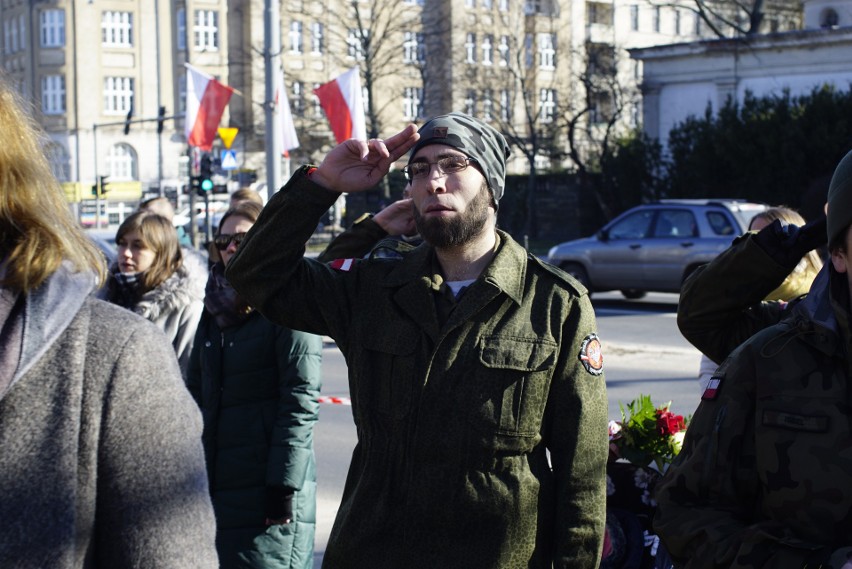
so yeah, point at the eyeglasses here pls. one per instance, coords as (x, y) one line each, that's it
(222, 240)
(446, 165)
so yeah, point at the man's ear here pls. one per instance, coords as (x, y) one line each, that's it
(838, 259)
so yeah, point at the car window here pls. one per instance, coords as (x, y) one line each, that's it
(637, 225)
(720, 224)
(675, 223)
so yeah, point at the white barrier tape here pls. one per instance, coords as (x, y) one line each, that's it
(335, 400)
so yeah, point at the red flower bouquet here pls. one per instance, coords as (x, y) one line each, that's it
(647, 433)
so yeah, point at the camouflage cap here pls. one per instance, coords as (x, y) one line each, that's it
(473, 137)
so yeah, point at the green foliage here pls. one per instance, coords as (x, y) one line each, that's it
(633, 172)
(769, 149)
(777, 149)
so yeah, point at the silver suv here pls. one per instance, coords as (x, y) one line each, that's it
(654, 247)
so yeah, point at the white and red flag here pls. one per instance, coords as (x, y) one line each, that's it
(343, 103)
(206, 100)
(286, 130)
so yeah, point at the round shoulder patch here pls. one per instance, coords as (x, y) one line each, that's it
(591, 354)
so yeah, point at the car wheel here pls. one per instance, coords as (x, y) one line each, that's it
(633, 294)
(577, 271)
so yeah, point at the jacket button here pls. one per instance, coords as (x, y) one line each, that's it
(207, 344)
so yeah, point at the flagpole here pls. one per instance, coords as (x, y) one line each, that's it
(272, 61)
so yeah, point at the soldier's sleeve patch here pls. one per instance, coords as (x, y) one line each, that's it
(344, 265)
(711, 392)
(591, 354)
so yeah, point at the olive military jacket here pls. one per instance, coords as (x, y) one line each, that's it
(454, 422)
(763, 478)
(721, 304)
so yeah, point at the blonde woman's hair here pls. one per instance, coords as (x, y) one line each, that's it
(158, 234)
(37, 230)
(799, 281)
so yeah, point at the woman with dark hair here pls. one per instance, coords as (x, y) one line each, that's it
(102, 463)
(257, 384)
(154, 279)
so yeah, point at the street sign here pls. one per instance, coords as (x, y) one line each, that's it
(229, 160)
(227, 135)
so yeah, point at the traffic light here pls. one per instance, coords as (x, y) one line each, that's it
(161, 117)
(100, 188)
(205, 184)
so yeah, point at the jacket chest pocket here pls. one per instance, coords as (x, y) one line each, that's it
(510, 385)
(386, 379)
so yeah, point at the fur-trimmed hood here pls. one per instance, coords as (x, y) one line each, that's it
(182, 288)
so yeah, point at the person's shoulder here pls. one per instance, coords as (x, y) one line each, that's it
(556, 275)
(113, 325)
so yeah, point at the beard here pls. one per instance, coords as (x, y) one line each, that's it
(460, 229)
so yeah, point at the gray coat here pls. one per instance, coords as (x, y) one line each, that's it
(101, 443)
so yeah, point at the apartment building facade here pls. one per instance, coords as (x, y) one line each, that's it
(92, 66)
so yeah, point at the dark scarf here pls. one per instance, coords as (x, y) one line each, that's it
(124, 288)
(222, 301)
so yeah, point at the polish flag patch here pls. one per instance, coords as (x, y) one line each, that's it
(344, 265)
(712, 389)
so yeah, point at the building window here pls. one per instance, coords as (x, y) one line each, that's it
(598, 13)
(470, 3)
(470, 48)
(487, 105)
(697, 25)
(503, 6)
(487, 47)
(355, 48)
(486, 4)
(504, 50)
(528, 50)
(829, 18)
(206, 30)
(547, 51)
(117, 29)
(22, 31)
(505, 105)
(52, 28)
(413, 48)
(118, 95)
(634, 17)
(121, 162)
(317, 37)
(181, 29)
(470, 103)
(677, 22)
(298, 99)
(657, 19)
(181, 102)
(317, 108)
(60, 162)
(547, 106)
(413, 2)
(295, 36)
(412, 103)
(53, 94)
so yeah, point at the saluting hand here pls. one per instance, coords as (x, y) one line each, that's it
(357, 165)
(397, 218)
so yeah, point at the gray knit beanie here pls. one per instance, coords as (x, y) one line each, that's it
(840, 199)
(476, 139)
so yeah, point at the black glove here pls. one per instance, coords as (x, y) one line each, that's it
(788, 243)
(279, 505)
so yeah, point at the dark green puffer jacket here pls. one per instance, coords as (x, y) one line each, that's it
(257, 385)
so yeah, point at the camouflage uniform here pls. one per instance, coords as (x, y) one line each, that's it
(366, 237)
(763, 479)
(454, 422)
(721, 304)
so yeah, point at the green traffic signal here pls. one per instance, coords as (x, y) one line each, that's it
(206, 185)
